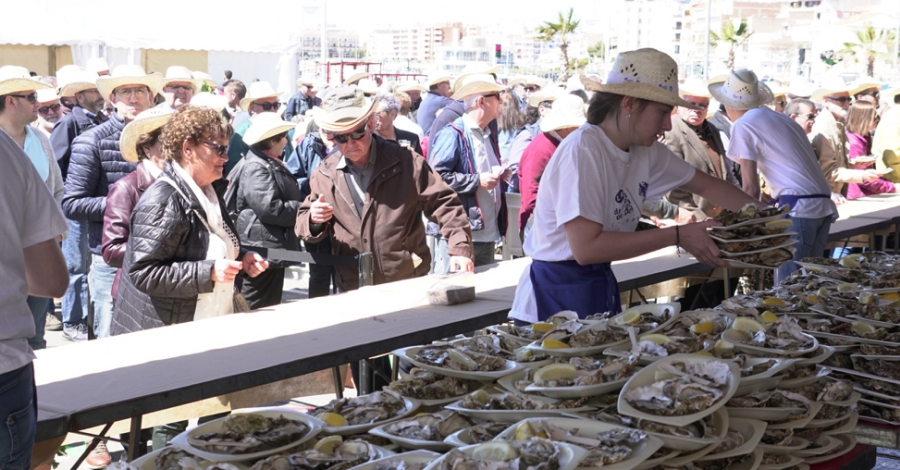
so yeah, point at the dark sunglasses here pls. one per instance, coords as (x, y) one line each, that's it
(47, 109)
(842, 99)
(32, 98)
(492, 95)
(344, 138)
(268, 106)
(220, 149)
(530, 88)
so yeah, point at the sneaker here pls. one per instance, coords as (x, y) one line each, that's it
(99, 457)
(76, 332)
(53, 323)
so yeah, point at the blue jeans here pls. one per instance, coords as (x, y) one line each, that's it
(75, 250)
(18, 412)
(484, 254)
(38, 306)
(100, 281)
(813, 236)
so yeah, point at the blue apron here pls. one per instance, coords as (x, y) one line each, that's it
(567, 285)
(792, 199)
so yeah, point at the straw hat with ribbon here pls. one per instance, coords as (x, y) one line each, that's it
(478, 83)
(863, 84)
(177, 73)
(407, 87)
(568, 111)
(47, 95)
(694, 87)
(356, 77)
(799, 88)
(831, 86)
(343, 109)
(645, 73)
(97, 65)
(209, 100)
(204, 79)
(265, 125)
(305, 82)
(258, 90)
(741, 90)
(15, 79)
(549, 94)
(368, 86)
(438, 78)
(145, 123)
(128, 75)
(74, 79)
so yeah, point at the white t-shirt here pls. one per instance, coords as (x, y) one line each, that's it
(590, 177)
(784, 157)
(30, 216)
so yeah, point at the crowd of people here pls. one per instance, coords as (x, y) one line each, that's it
(138, 198)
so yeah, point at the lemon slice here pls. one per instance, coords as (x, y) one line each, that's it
(542, 327)
(556, 372)
(814, 299)
(774, 301)
(768, 317)
(867, 298)
(847, 287)
(327, 445)
(551, 343)
(780, 224)
(524, 431)
(332, 419)
(862, 328)
(849, 263)
(822, 292)
(628, 318)
(656, 338)
(457, 356)
(703, 327)
(523, 354)
(495, 451)
(723, 347)
(891, 296)
(480, 396)
(747, 324)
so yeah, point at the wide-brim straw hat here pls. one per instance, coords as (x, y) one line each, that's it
(47, 95)
(265, 125)
(177, 73)
(204, 78)
(831, 86)
(408, 87)
(368, 86)
(477, 68)
(15, 79)
(209, 100)
(343, 109)
(305, 82)
(439, 78)
(694, 87)
(258, 90)
(476, 84)
(128, 75)
(741, 90)
(73, 79)
(645, 73)
(512, 82)
(145, 122)
(356, 77)
(568, 111)
(97, 65)
(863, 84)
(549, 94)
(799, 89)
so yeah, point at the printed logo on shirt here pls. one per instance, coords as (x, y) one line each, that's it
(626, 207)
(642, 189)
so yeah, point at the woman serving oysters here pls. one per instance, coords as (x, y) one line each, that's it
(593, 189)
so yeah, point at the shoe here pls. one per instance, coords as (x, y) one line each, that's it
(53, 323)
(99, 457)
(76, 332)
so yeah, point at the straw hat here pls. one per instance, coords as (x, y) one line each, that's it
(145, 122)
(474, 68)
(408, 87)
(830, 86)
(15, 79)
(97, 65)
(435, 79)
(128, 75)
(568, 111)
(544, 95)
(47, 95)
(534, 80)
(574, 83)
(73, 79)
(355, 78)
(265, 125)
(304, 82)
(887, 96)
(799, 89)
(741, 90)
(209, 100)
(694, 87)
(368, 86)
(258, 90)
(512, 82)
(204, 78)
(177, 73)
(343, 109)
(862, 84)
(479, 83)
(645, 73)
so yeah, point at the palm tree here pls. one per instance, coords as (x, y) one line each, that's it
(734, 36)
(560, 30)
(871, 44)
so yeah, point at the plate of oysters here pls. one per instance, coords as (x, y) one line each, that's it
(743, 436)
(679, 389)
(530, 333)
(433, 389)
(483, 431)
(172, 457)
(535, 453)
(512, 407)
(783, 337)
(249, 435)
(331, 452)
(751, 221)
(447, 359)
(348, 416)
(502, 347)
(579, 377)
(413, 460)
(424, 431)
(703, 433)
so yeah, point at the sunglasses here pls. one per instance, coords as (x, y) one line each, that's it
(32, 98)
(344, 138)
(47, 109)
(219, 148)
(492, 95)
(530, 88)
(842, 99)
(267, 106)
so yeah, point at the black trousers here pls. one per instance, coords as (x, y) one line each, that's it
(264, 290)
(319, 274)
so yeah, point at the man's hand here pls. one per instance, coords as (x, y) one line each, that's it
(838, 199)
(869, 176)
(461, 264)
(685, 216)
(488, 181)
(253, 264)
(225, 270)
(694, 239)
(320, 211)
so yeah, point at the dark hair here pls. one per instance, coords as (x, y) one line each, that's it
(434, 87)
(147, 140)
(860, 117)
(3, 103)
(192, 124)
(228, 74)
(268, 143)
(511, 118)
(897, 99)
(239, 89)
(581, 94)
(603, 104)
(794, 106)
(532, 115)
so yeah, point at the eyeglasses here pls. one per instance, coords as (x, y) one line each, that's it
(530, 88)
(267, 106)
(219, 148)
(32, 98)
(175, 87)
(699, 105)
(779, 103)
(47, 109)
(344, 138)
(811, 117)
(842, 99)
(492, 95)
(139, 92)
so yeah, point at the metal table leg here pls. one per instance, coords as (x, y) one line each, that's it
(338, 382)
(365, 378)
(136, 445)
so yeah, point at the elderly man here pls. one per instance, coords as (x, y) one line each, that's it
(234, 91)
(178, 87)
(866, 89)
(886, 143)
(387, 110)
(770, 142)
(49, 111)
(466, 153)
(403, 120)
(96, 164)
(437, 98)
(261, 98)
(300, 103)
(803, 112)
(414, 91)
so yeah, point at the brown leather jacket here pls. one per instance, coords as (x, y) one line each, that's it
(122, 197)
(403, 188)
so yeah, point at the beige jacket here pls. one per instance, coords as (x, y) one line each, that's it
(829, 141)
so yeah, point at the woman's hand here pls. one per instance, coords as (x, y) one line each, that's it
(694, 239)
(254, 264)
(225, 270)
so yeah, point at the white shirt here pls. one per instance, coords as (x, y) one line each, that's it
(784, 157)
(488, 200)
(590, 177)
(30, 216)
(404, 123)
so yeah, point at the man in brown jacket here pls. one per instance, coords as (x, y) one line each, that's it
(370, 195)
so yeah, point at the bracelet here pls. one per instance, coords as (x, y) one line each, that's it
(677, 241)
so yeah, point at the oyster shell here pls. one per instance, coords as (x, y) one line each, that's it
(426, 385)
(733, 439)
(349, 454)
(247, 433)
(509, 401)
(366, 409)
(534, 454)
(169, 457)
(429, 427)
(451, 357)
(693, 387)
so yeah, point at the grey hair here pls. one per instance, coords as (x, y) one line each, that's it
(470, 101)
(794, 106)
(389, 102)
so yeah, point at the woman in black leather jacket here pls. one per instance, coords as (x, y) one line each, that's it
(182, 255)
(267, 199)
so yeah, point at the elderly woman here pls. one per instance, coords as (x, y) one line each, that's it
(387, 111)
(266, 197)
(182, 254)
(140, 144)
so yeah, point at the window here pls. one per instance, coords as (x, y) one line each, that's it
(677, 37)
(677, 25)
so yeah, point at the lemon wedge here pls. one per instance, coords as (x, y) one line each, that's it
(332, 419)
(656, 338)
(495, 451)
(551, 343)
(327, 445)
(774, 301)
(480, 396)
(524, 431)
(867, 298)
(747, 324)
(556, 372)
(460, 357)
(628, 318)
(768, 317)
(703, 327)
(822, 292)
(847, 287)
(849, 263)
(780, 224)
(723, 348)
(542, 327)
(891, 296)
(862, 328)
(523, 354)
(812, 299)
